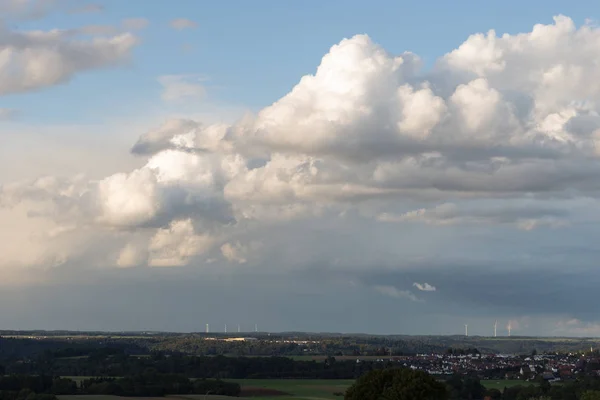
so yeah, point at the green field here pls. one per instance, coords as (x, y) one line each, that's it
(190, 397)
(501, 384)
(259, 389)
(290, 389)
(300, 388)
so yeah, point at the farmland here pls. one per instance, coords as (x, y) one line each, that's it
(299, 388)
(272, 389)
(285, 389)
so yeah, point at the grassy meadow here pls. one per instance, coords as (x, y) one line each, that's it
(257, 389)
(281, 389)
(298, 388)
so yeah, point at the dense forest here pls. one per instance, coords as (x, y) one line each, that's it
(110, 364)
(296, 344)
(148, 384)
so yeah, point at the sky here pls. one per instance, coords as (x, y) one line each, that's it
(379, 167)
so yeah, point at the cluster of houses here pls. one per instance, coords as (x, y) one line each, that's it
(503, 366)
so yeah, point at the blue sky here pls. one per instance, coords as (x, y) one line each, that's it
(146, 168)
(248, 65)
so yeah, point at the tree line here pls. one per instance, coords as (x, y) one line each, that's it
(275, 345)
(147, 384)
(221, 367)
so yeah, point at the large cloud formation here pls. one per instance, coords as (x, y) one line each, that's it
(511, 117)
(502, 132)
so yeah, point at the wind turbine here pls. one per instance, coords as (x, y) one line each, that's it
(495, 328)
(207, 330)
(466, 329)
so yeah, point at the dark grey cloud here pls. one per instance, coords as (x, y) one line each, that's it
(188, 298)
(182, 300)
(479, 290)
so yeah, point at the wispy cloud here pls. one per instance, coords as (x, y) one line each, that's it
(98, 30)
(28, 9)
(517, 324)
(177, 87)
(87, 9)
(183, 23)
(7, 114)
(135, 24)
(524, 216)
(577, 327)
(391, 291)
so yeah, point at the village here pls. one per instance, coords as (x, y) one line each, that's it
(548, 367)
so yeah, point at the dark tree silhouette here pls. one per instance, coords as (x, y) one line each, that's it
(397, 384)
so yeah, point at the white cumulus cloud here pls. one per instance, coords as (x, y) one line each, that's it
(31, 60)
(503, 131)
(424, 287)
(177, 244)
